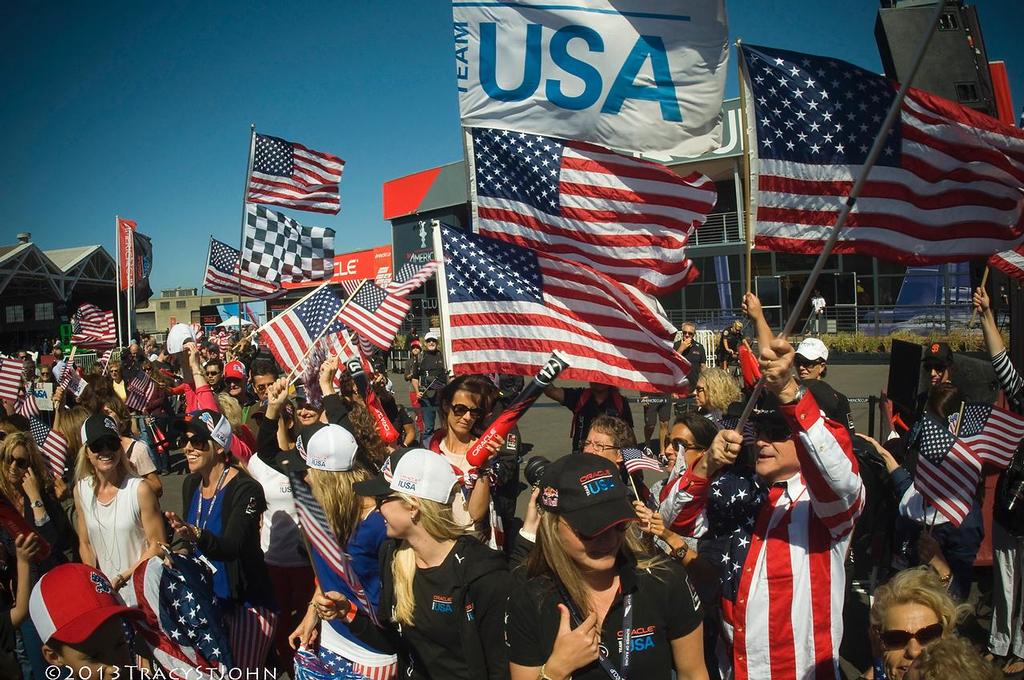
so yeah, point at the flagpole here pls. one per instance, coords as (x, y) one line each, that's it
(467, 150)
(748, 191)
(117, 286)
(312, 344)
(241, 233)
(442, 293)
(851, 200)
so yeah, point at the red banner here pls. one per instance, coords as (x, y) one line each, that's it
(125, 249)
(362, 264)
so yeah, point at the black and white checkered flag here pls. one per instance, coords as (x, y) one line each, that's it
(277, 248)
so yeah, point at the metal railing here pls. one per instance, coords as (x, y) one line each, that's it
(719, 228)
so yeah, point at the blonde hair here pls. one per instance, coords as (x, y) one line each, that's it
(549, 557)
(35, 460)
(919, 585)
(70, 426)
(954, 657)
(437, 520)
(230, 409)
(720, 388)
(333, 490)
(85, 470)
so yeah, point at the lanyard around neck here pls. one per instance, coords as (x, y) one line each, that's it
(203, 518)
(622, 673)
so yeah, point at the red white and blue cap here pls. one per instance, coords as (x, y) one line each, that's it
(71, 601)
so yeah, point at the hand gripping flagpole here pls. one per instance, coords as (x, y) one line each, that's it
(851, 200)
(241, 234)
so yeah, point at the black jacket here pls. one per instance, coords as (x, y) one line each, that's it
(484, 582)
(238, 544)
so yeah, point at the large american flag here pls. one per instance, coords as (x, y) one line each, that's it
(93, 328)
(222, 275)
(991, 432)
(947, 470)
(946, 187)
(626, 217)
(290, 174)
(183, 625)
(1010, 262)
(375, 315)
(410, 277)
(11, 370)
(511, 306)
(291, 334)
(333, 566)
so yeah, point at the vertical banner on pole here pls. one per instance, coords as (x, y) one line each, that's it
(241, 229)
(126, 276)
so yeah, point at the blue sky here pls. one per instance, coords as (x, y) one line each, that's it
(143, 109)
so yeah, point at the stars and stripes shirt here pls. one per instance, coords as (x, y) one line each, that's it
(781, 549)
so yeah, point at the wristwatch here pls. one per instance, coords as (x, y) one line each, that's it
(543, 674)
(37, 503)
(680, 552)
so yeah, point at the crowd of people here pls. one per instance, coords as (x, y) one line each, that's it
(735, 563)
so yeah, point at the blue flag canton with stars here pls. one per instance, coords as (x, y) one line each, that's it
(518, 166)
(481, 269)
(818, 110)
(273, 156)
(935, 441)
(734, 498)
(189, 612)
(974, 419)
(224, 258)
(318, 311)
(370, 296)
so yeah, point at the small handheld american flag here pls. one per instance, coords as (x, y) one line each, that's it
(636, 460)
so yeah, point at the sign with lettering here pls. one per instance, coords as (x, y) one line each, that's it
(633, 75)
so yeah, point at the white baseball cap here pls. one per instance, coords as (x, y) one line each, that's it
(430, 335)
(177, 337)
(812, 349)
(331, 448)
(420, 473)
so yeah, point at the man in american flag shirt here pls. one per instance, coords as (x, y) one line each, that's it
(779, 529)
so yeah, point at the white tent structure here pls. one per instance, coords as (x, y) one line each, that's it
(232, 322)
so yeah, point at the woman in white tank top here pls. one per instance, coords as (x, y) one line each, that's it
(119, 523)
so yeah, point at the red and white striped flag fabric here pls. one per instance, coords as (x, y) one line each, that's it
(410, 277)
(290, 174)
(26, 403)
(197, 331)
(140, 391)
(947, 472)
(55, 451)
(636, 460)
(375, 315)
(628, 218)
(510, 307)
(1010, 262)
(350, 287)
(946, 187)
(93, 328)
(11, 370)
(222, 275)
(991, 432)
(71, 381)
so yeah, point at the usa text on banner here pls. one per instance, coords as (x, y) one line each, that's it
(630, 219)
(946, 187)
(509, 307)
(633, 75)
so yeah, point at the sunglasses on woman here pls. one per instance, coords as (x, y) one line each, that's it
(461, 409)
(105, 444)
(898, 639)
(20, 463)
(680, 444)
(379, 501)
(806, 363)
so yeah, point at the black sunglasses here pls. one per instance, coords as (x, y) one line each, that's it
(105, 444)
(800, 361)
(688, 334)
(21, 463)
(771, 431)
(461, 409)
(679, 444)
(898, 639)
(379, 501)
(196, 441)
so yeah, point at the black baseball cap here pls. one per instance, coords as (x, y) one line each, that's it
(938, 353)
(98, 426)
(586, 490)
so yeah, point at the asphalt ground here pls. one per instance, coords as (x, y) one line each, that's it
(546, 426)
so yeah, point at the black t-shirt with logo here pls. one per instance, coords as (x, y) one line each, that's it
(665, 608)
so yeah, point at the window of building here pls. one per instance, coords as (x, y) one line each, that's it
(967, 93)
(214, 301)
(181, 304)
(165, 305)
(14, 313)
(44, 311)
(949, 22)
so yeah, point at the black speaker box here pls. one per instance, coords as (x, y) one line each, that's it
(975, 379)
(956, 63)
